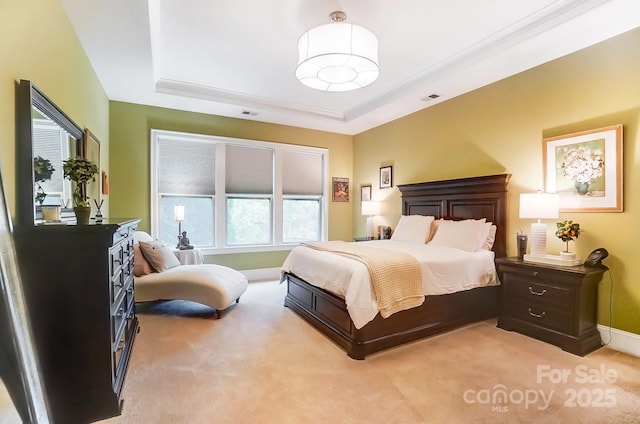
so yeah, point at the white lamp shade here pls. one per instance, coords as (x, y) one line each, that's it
(370, 208)
(337, 57)
(539, 205)
(178, 212)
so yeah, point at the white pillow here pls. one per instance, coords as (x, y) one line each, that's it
(491, 238)
(485, 233)
(159, 255)
(413, 228)
(464, 235)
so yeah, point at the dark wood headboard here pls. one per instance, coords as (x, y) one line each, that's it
(462, 198)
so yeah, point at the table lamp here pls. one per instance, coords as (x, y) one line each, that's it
(539, 206)
(370, 209)
(178, 215)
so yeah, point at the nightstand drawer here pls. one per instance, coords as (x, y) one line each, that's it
(538, 314)
(536, 292)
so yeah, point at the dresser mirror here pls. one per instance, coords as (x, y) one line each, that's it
(46, 137)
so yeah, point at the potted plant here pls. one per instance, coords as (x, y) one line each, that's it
(42, 171)
(567, 231)
(80, 171)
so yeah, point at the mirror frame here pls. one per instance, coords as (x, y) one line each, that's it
(27, 97)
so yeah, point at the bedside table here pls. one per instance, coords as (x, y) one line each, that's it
(551, 303)
(364, 238)
(189, 256)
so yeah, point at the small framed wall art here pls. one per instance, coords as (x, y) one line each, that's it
(340, 189)
(386, 177)
(365, 193)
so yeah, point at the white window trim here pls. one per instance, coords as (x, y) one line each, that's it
(220, 195)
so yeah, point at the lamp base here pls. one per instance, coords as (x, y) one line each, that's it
(552, 260)
(370, 233)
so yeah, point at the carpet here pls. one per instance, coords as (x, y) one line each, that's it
(261, 363)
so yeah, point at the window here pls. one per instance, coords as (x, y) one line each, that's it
(239, 195)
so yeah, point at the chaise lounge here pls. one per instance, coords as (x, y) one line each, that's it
(159, 277)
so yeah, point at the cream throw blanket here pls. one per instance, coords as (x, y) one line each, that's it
(396, 277)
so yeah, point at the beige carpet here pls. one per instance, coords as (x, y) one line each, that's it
(263, 364)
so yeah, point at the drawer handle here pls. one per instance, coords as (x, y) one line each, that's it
(537, 293)
(536, 315)
(535, 273)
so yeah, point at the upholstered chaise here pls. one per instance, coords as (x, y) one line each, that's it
(212, 285)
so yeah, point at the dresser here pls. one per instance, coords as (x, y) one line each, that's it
(79, 292)
(555, 304)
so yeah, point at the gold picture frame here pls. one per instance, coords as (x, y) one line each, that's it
(585, 169)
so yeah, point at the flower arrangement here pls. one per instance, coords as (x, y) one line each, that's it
(80, 171)
(581, 164)
(42, 171)
(567, 231)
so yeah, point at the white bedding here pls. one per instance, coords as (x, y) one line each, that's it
(444, 270)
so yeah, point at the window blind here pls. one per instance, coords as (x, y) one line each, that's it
(249, 170)
(186, 167)
(302, 173)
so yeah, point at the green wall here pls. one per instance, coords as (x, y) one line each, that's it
(499, 128)
(38, 43)
(131, 125)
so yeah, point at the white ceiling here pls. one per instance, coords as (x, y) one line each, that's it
(237, 58)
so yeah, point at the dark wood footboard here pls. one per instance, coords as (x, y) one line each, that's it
(328, 314)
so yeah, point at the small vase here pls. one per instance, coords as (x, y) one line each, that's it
(50, 213)
(83, 214)
(581, 188)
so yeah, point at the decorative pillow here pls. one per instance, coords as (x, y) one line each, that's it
(140, 264)
(491, 238)
(464, 235)
(413, 228)
(159, 255)
(485, 233)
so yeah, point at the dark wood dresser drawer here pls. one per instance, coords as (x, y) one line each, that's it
(535, 291)
(537, 313)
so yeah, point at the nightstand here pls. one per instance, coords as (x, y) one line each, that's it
(189, 256)
(364, 238)
(555, 304)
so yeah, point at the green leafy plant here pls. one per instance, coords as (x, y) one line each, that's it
(80, 171)
(42, 171)
(567, 231)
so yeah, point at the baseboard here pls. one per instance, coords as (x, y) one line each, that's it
(619, 340)
(263, 274)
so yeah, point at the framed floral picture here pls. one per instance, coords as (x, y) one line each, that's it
(585, 169)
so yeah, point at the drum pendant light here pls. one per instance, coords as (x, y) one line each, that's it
(337, 56)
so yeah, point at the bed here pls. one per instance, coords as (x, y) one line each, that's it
(465, 198)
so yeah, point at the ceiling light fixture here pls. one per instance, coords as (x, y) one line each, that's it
(337, 56)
